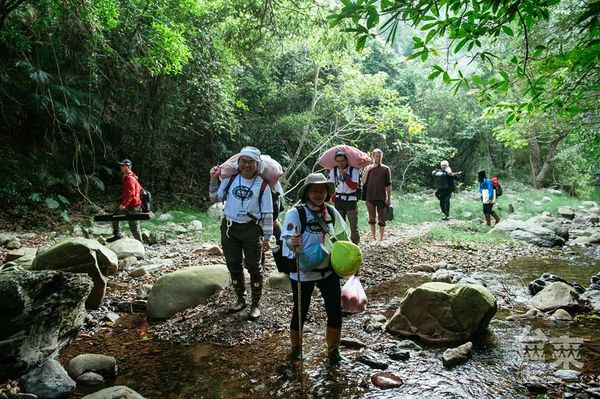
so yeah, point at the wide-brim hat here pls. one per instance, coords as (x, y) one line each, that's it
(316, 178)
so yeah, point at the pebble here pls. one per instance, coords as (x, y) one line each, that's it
(386, 380)
(567, 375)
(372, 359)
(396, 353)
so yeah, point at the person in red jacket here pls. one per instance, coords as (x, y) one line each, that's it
(130, 202)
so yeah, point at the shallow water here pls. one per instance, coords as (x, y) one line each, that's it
(159, 369)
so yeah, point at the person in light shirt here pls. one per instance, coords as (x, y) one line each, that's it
(247, 225)
(299, 241)
(346, 180)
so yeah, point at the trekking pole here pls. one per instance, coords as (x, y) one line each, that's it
(299, 299)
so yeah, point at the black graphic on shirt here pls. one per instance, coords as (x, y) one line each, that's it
(242, 193)
(312, 226)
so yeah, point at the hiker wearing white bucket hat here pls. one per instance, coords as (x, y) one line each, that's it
(303, 232)
(248, 215)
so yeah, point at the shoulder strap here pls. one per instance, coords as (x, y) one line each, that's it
(228, 186)
(263, 187)
(335, 179)
(302, 217)
(331, 214)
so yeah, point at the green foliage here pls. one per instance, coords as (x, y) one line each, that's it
(470, 25)
(468, 232)
(179, 85)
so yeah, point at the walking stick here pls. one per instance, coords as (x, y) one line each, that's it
(299, 299)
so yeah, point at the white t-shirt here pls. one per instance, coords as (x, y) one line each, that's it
(242, 199)
(312, 235)
(341, 187)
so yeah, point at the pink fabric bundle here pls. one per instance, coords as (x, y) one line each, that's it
(269, 169)
(356, 158)
(354, 299)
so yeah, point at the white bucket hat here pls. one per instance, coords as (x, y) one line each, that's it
(251, 152)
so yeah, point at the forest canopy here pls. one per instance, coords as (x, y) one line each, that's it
(180, 85)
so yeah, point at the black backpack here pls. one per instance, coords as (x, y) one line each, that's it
(359, 188)
(287, 265)
(441, 180)
(146, 198)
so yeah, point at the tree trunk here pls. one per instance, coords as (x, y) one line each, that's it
(540, 177)
(534, 156)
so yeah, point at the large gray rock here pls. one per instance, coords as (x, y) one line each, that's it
(280, 281)
(446, 276)
(588, 219)
(593, 297)
(216, 210)
(80, 255)
(195, 225)
(126, 247)
(20, 253)
(116, 392)
(39, 313)
(567, 212)
(101, 364)
(100, 229)
(556, 295)
(185, 288)
(50, 381)
(441, 312)
(531, 232)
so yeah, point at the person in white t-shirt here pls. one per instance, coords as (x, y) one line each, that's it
(247, 224)
(346, 180)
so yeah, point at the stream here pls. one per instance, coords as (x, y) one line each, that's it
(501, 362)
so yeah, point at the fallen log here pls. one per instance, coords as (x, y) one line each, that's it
(122, 217)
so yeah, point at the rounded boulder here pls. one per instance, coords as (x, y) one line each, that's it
(444, 313)
(185, 288)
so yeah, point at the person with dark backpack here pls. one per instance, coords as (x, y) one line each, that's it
(130, 202)
(444, 182)
(247, 224)
(304, 236)
(347, 182)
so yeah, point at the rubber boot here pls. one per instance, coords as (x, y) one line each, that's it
(116, 236)
(496, 218)
(237, 280)
(487, 220)
(334, 336)
(256, 284)
(294, 355)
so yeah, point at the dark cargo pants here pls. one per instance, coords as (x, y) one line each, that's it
(349, 209)
(134, 225)
(242, 246)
